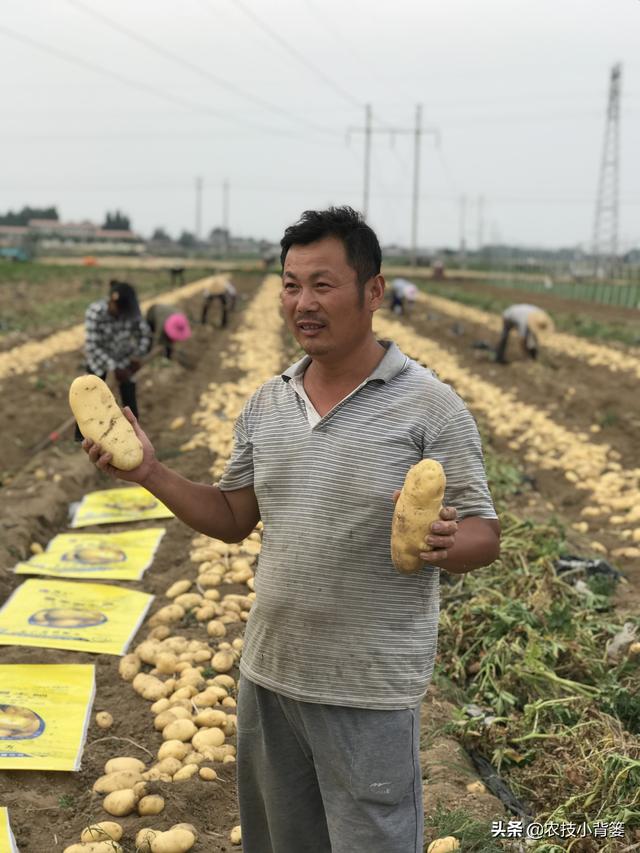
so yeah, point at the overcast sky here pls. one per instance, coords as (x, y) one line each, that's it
(124, 103)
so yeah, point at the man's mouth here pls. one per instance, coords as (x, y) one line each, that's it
(309, 326)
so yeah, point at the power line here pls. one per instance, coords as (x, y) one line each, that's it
(292, 51)
(191, 66)
(136, 84)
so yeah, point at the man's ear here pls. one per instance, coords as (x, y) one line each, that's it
(376, 294)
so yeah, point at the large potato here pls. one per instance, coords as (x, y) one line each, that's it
(100, 419)
(417, 508)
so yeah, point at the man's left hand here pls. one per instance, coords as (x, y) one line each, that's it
(441, 537)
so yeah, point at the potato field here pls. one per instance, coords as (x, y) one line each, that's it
(534, 710)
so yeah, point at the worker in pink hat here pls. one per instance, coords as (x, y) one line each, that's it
(168, 326)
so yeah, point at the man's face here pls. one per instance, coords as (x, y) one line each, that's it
(112, 306)
(321, 299)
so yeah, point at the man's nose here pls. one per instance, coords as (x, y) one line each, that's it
(307, 300)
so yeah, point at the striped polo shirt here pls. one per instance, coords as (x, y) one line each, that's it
(334, 622)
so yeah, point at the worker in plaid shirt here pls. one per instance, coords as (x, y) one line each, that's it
(117, 337)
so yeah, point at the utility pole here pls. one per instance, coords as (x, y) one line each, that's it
(198, 208)
(417, 132)
(480, 224)
(605, 229)
(225, 212)
(463, 230)
(367, 159)
(225, 205)
(416, 186)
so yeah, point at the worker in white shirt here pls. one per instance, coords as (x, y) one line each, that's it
(403, 295)
(531, 323)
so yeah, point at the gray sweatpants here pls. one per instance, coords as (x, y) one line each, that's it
(327, 779)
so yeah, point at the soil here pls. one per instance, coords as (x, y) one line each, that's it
(48, 810)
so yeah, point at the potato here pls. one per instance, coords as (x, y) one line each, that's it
(235, 836)
(150, 805)
(417, 508)
(148, 650)
(166, 663)
(189, 600)
(104, 720)
(223, 661)
(210, 717)
(169, 765)
(189, 827)
(173, 841)
(105, 830)
(124, 762)
(167, 615)
(160, 632)
(224, 680)
(216, 628)
(161, 705)
(144, 838)
(208, 737)
(150, 687)
(94, 847)
(100, 419)
(178, 588)
(173, 749)
(185, 772)
(208, 774)
(120, 803)
(444, 845)
(117, 781)
(182, 730)
(129, 667)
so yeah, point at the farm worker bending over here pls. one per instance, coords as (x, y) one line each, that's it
(403, 295)
(339, 646)
(531, 323)
(168, 326)
(226, 293)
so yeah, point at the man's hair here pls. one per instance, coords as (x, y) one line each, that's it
(125, 297)
(359, 240)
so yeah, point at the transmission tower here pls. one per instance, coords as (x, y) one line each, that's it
(605, 229)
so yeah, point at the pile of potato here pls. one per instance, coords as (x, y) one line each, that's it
(256, 351)
(187, 680)
(104, 837)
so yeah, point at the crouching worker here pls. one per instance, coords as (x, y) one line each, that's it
(116, 338)
(531, 322)
(168, 326)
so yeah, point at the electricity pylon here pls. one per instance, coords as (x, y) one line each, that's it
(605, 229)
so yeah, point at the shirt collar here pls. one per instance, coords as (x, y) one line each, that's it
(392, 363)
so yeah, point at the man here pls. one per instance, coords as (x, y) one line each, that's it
(116, 338)
(339, 646)
(168, 326)
(531, 323)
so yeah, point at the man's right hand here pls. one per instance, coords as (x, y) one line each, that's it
(102, 460)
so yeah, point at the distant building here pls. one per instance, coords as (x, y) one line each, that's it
(50, 236)
(83, 238)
